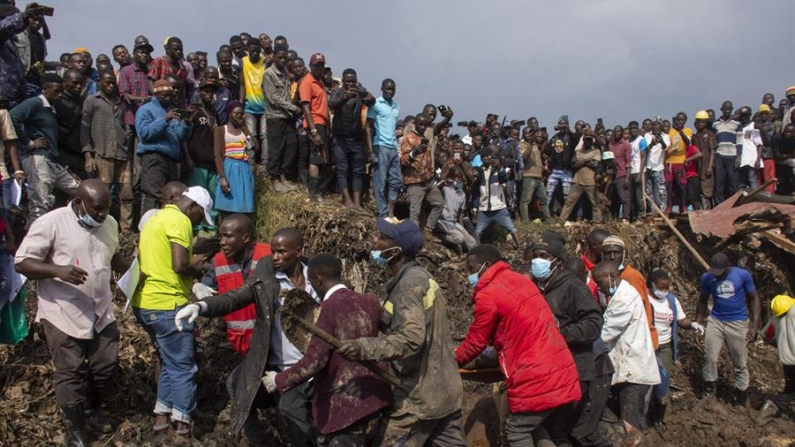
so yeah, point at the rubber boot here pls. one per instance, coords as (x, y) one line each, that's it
(709, 389)
(766, 414)
(742, 398)
(659, 420)
(74, 423)
(313, 185)
(303, 178)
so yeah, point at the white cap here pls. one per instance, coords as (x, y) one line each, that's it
(203, 199)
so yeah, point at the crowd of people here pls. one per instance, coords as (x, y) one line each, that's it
(165, 145)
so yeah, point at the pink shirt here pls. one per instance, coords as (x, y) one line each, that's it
(58, 237)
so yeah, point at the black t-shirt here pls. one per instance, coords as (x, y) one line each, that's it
(561, 150)
(783, 146)
(202, 140)
(33, 75)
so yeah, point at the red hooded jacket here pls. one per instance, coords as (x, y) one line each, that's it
(512, 315)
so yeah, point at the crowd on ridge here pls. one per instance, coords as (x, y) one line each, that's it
(166, 145)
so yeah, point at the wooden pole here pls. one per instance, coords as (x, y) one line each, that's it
(336, 344)
(677, 233)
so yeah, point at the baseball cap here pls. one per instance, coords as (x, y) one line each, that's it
(763, 108)
(317, 58)
(404, 232)
(203, 199)
(143, 44)
(744, 110)
(207, 83)
(718, 264)
(472, 124)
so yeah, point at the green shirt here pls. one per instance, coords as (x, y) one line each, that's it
(163, 288)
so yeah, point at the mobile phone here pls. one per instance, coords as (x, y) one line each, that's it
(442, 108)
(424, 141)
(456, 156)
(46, 10)
(599, 120)
(183, 113)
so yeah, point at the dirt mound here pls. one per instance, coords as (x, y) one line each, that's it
(30, 415)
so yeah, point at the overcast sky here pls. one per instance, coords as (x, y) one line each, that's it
(619, 60)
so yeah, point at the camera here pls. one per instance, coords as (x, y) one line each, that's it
(424, 141)
(462, 124)
(362, 92)
(558, 128)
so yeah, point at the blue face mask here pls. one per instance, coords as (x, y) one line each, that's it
(473, 278)
(459, 186)
(613, 287)
(541, 268)
(378, 259)
(87, 220)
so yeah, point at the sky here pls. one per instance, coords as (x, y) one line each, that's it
(619, 60)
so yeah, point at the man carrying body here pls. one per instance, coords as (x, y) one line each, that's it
(231, 267)
(270, 350)
(381, 144)
(579, 320)
(512, 316)
(71, 252)
(346, 315)
(104, 143)
(418, 345)
(733, 293)
(37, 131)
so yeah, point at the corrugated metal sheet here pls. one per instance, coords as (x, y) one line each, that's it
(720, 220)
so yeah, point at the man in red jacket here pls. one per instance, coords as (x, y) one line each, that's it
(231, 267)
(538, 366)
(346, 315)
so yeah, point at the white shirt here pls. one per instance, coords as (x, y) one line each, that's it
(656, 158)
(634, 167)
(752, 138)
(467, 140)
(332, 290)
(284, 354)
(626, 333)
(664, 317)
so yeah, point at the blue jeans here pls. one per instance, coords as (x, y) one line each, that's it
(7, 182)
(387, 172)
(176, 390)
(502, 217)
(558, 177)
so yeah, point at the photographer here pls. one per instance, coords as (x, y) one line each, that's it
(348, 131)
(416, 165)
(489, 197)
(12, 24)
(585, 164)
(559, 153)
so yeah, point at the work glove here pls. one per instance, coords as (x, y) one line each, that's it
(189, 312)
(270, 381)
(698, 328)
(201, 291)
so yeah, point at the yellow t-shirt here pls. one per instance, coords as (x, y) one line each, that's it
(677, 152)
(163, 289)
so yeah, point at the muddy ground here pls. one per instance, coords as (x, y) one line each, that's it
(29, 414)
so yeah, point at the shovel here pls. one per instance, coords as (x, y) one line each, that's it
(297, 304)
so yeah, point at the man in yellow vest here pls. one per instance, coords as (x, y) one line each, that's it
(230, 268)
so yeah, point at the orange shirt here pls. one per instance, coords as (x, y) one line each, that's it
(635, 278)
(314, 92)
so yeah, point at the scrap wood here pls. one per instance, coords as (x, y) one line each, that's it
(678, 233)
(720, 221)
(779, 241)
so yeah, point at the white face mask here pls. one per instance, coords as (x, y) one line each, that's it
(661, 294)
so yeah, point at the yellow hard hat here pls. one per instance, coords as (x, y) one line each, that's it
(781, 304)
(702, 115)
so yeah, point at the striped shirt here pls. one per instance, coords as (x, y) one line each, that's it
(235, 145)
(727, 135)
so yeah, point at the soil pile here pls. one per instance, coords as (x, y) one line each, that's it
(30, 415)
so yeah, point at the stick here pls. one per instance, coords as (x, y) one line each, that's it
(336, 344)
(748, 197)
(677, 233)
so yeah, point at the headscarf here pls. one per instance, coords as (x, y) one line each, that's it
(232, 106)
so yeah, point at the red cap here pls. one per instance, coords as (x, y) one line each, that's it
(317, 58)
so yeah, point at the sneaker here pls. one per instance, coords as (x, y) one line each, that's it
(280, 187)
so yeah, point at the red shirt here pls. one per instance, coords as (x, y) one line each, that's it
(622, 152)
(691, 167)
(314, 92)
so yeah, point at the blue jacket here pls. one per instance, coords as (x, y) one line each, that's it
(12, 74)
(157, 135)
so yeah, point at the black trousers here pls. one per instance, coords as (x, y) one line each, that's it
(80, 362)
(282, 147)
(156, 171)
(784, 398)
(294, 407)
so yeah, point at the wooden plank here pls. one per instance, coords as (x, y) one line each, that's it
(779, 241)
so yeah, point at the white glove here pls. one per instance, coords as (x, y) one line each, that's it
(270, 381)
(698, 328)
(201, 291)
(189, 312)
